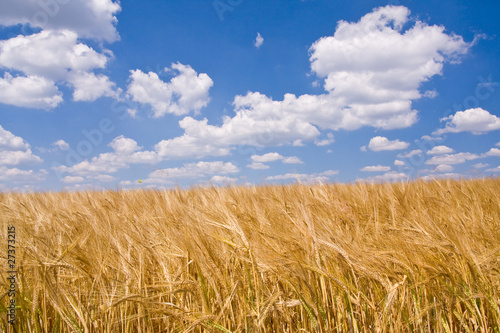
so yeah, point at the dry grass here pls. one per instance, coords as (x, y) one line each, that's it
(406, 257)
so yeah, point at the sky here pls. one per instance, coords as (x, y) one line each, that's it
(101, 94)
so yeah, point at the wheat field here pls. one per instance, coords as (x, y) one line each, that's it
(403, 257)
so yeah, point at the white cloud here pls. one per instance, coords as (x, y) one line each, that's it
(310, 178)
(431, 94)
(259, 40)
(21, 176)
(269, 157)
(126, 152)
(442, 176)
(132, 112)
(480, 165)
(497, 144)
(399, 163)
(9, 157)
(104, 178)
(260, 127)
(452, 158)
(476, 121)
(356, 56)
(325, 142)
(410, 154)
(14, 150)
(195, 170)
(439, 150)
(223, 179)
(29, 92)
(443, 168)
(72, 179)
(380, 143)
(186, 92)
(292, 160)
(9, 141)
(492, 152)
(431, 138)
(94, 19)
(376, 168)
(89, 87)
(258, 166)
(61, 144)
(391, 176)
(497, 169)
(50, 56)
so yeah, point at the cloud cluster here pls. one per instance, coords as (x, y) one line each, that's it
(380, 143)
(194, 170)
(14, 151)
(126, 151)
(95, 19)
(37, 64)
(476, 121)
(186, 92)
(309, 178)
(355, 56)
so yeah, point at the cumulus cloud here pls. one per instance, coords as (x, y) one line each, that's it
(223, 179)
(258, 166)
(89, 87)
(480, 165)
(376, 168)
(14, 150)
(452, 158)
(325, 142)
(259, 40)
(355, 56)
(399, 163)
(61, 144)
(258, 160)
(380, 143)
(186, 92)
(16, 175)
(497, 169)
(442, 176)
(476, 121)
(95, 19)
(48, 57)
(261, 126)
(410, 154)
(391, 176)
(492, 152)
(126, 152)
(439, 150)
(193, 170)
(269, 157)
(310, 178)
(72, 179)
(292, 160)
(29, 92)
(443, 168)
(9, 141)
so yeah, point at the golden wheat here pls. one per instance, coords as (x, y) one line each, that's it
(403, 257)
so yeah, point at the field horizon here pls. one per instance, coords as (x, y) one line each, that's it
(419, 256)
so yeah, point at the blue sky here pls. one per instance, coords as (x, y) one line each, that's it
(154, 94)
